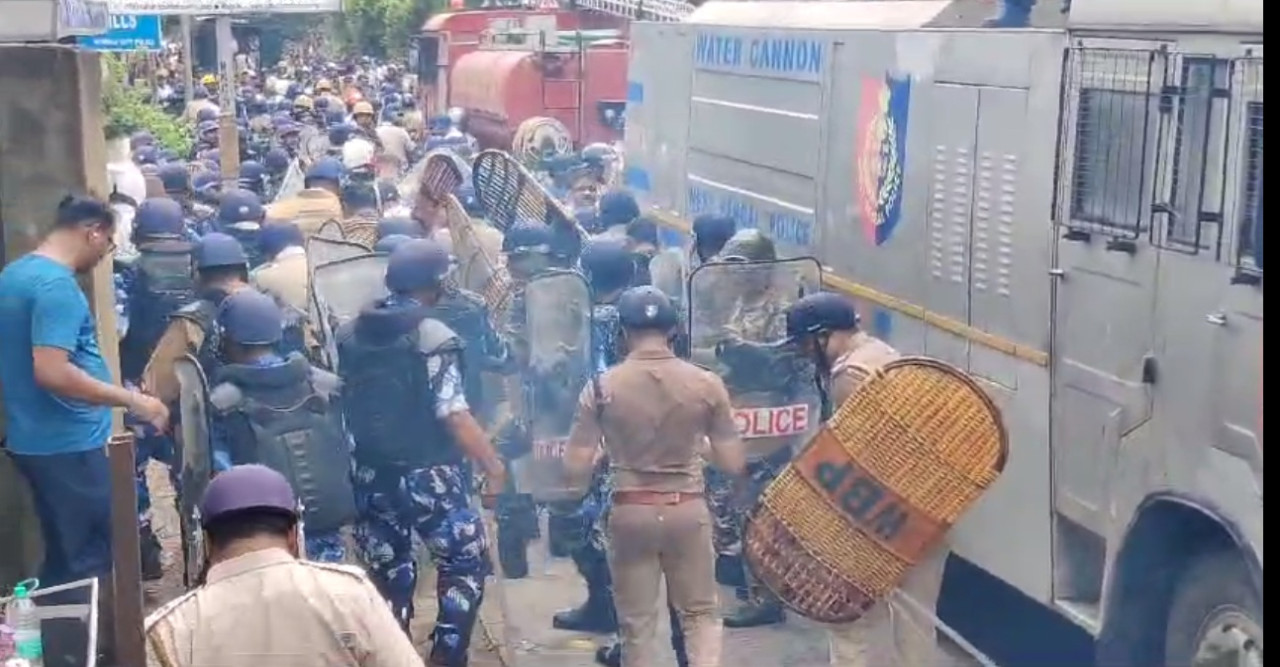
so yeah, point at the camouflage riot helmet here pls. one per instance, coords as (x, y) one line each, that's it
(749, 245)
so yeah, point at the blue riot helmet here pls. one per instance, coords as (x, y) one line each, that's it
(646, 308)
(207, 131)
(389, 243)
(294, 90)
(439, 124)
(256, 104)
(710, 233)
(146, 155)
(213, 156)
(240, 215)
(820, 313)
(276, 161)
(207, 115)
(618, 207)
(417, 264)
(206, 185)
(322, 104)
(277, 236)
(607, 264)
(527, 237)
(339, 133)
(253, 176)
(219, 251)
(158, 218)
(325, 171)
(249, 317)
(359, 196)
(599, 158)
(175, 179)
(140, 139)
(399, 227)
(335, 116)
(528, 246)
(169, 155)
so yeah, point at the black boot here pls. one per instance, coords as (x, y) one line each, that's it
(150, 549)
(596, 615)
(609, 655)
(756, 614)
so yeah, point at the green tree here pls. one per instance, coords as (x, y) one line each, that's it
(382, 28)
(128, 108)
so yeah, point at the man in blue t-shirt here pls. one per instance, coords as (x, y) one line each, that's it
(58, 393)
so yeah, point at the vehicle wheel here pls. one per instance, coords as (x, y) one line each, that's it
(1216, 615)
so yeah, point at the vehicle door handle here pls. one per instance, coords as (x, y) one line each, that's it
(1216, 319)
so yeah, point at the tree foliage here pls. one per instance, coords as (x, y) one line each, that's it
(382, 28)
(128, 108)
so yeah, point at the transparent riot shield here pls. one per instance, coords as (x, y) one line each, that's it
(339, 289)
(195, 461)
(323, 250)
(737, 327)
(558, 328)
(293, 183)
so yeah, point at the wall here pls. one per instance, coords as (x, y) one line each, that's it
(51, 143)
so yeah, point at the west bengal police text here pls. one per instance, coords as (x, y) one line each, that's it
(780, 55)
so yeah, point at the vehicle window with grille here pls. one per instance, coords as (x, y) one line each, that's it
(1251, 223)
(1109, 170)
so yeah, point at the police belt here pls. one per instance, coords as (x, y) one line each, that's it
(654, 497)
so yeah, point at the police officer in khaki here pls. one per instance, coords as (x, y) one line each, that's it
(263, 606)
(318, 201)
(284, 274)
(655, 415)
(222, 269)
(889, 634)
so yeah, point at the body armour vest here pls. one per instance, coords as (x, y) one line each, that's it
(163, 282)
(281, 420)
(390, 402)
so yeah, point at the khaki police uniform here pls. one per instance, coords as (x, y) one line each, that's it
(269, 609)
(889, 634)
(395, 142)
(309, 209)
(182, 336)
(657, 413)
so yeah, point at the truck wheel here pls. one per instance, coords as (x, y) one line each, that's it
(1216, 615)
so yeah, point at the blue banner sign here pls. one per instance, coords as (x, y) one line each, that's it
(129, 32)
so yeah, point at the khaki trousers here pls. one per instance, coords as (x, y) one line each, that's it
(891, 634)
(646, 544)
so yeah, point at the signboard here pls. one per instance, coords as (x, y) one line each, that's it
(223, 7)
(129, 32)
(770, 422)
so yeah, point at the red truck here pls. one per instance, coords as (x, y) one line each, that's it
(507, 65)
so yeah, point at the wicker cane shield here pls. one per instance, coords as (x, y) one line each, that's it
(876, 489)
(508, 192)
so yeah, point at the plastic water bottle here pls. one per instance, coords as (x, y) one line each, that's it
(21, 615)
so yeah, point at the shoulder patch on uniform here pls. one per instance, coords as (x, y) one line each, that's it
(166, 609)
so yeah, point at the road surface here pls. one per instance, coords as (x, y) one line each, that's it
(553, 586)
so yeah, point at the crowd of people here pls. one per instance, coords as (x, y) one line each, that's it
(334, 443)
